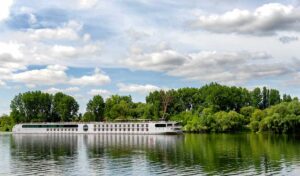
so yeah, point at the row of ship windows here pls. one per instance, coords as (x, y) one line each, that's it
(124, 129)
(124, 125)
(142, 129)
(62, 129)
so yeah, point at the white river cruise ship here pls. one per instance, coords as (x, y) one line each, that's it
(160, 127)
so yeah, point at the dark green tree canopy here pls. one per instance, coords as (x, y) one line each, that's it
(210, 108)
(96, 106)
(41, 107)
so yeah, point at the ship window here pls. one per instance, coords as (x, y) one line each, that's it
(147, 129)
(94, 126)
(120, 125)
(137, 129)
(116, 129)
(137, 125)
(85, 127)
(146, 125)
(128, 125)
(160, 125)
(142, 129)
(116, 125)
(102, 129)
(47, 129)
(142, 125)
(76, 129)
(177, 124)
(128, 129)
(132, 125)
(120, 129)
(132, 129)
(169, 124)
(111, 129)
(50, 126)
(95, 129)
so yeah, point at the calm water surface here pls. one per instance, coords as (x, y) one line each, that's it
(189, 154)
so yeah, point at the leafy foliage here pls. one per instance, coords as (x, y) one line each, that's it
(40, 107)
(211, 108)
(6, 123)
(96, 108)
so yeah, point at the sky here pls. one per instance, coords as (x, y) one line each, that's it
(132, 47)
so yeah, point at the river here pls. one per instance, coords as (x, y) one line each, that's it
(188, 154)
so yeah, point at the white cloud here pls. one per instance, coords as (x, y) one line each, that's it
(61, 51)
(101, 92)
(137, 88)
(54, 90)
(231, 67)
(97, 79)
(51, 75)
(72, 89)
(224, 67)
(11, 48)
(157, 61)
(86, 4)
(5, 9)
(266, 19)
(63, 45)
(68, 31)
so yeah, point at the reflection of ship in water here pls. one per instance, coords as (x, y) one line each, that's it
(132, 141)
(66, 142)
(60, 154)
(45, 140)
(46, 144)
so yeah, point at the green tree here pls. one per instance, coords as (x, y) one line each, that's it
(255, 119)
(256, 98)
(274, 97)
(247, 112)
(286, 98)
(88, 117)
(65, 107)
(166, 99)
(96, 106)
(228, 121)
(265, 98)
(118, 107)
(32, 106)
(6, 123)
(142, 111)
(154, 99)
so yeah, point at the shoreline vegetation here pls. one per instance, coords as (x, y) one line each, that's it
(212, 108)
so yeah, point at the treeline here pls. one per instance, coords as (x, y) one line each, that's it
(211, 108)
